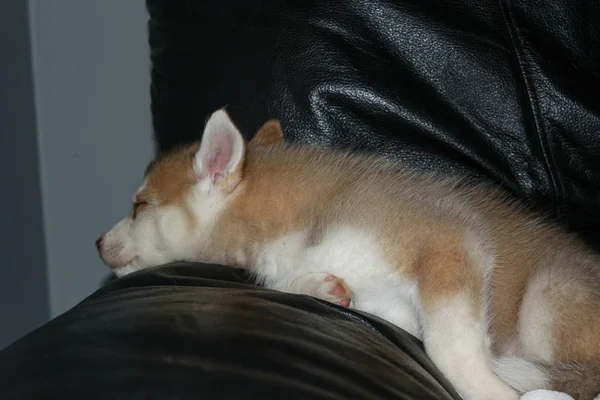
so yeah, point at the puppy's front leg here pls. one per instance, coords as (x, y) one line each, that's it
(323, 286)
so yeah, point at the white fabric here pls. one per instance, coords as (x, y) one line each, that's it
(545, 395)
(548, 395)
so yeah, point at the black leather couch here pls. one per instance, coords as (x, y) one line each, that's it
(498, 90)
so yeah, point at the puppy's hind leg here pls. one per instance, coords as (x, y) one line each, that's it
(455, 341)
(454, 326)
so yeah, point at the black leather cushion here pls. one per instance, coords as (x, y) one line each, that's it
(192, 331)
(500, 90)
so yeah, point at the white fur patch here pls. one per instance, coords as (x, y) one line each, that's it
(139, 190)
(162, 235)
(354, 255)
(481, 256)
(535, 320)
(122, 271)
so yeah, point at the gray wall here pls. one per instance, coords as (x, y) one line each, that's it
(93, 135)
(23, 285)
(91, 69)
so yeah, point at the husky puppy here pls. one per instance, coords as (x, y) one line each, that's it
(504, 301)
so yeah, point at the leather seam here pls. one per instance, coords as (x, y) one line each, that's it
(549, 162)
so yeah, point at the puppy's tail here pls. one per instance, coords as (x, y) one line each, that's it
(580, 380)
(522, 375)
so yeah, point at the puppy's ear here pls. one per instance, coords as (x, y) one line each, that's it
(270, 134)
(219, 161)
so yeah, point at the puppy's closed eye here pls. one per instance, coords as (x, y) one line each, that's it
(138, 206)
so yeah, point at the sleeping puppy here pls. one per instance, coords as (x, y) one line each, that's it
(504, 301)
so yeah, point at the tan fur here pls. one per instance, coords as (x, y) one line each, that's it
(170, 176)
(575, 296)
(422, 224)
(576, 332)
(443, 270)
(270, 134)
(579, 380)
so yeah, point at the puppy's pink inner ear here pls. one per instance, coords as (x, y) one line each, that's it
(219, 156)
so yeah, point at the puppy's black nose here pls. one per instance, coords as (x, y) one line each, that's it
(100, 242)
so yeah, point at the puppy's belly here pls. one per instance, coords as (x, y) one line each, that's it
(355, 256)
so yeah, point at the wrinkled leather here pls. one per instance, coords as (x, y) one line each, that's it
(498, 90)
(192, 331)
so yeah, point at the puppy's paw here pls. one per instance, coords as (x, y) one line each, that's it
(334, 289)
(323, 286)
